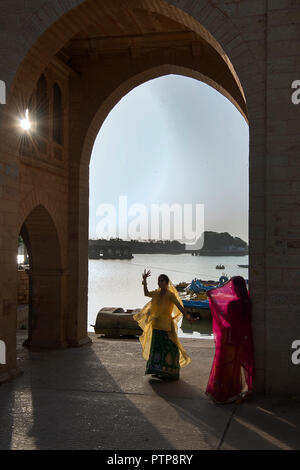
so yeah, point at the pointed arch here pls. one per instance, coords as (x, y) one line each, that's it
(42, 107)
(58, 123)
(46, 321)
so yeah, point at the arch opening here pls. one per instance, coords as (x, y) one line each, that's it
(203, 159)
(40, 272)
(58, 130)
(42, 107)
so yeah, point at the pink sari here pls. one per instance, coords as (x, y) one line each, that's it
(231, 314)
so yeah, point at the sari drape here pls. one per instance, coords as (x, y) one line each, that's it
(234, 351)
(147, 316)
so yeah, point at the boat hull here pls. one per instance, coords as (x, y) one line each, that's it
(115, 322)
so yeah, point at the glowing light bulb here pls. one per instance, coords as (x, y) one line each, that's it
(25, 123)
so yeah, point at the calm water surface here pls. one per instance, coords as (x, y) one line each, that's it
(118, 283)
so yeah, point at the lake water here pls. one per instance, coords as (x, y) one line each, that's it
(118, 283)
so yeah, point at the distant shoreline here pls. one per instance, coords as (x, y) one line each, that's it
(212, 244)
(220, 253)
(212, 254)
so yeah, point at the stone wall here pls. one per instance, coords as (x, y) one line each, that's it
(23, 287)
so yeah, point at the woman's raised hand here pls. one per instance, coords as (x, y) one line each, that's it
(146, 274)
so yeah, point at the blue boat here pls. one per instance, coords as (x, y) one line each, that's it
(197, 286)
(196, 304)
(197, 309)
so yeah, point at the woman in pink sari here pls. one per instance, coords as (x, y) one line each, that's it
(233, 365)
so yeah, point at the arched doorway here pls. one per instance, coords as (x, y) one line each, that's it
(169, 140)
(45, 316)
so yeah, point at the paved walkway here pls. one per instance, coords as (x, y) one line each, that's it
(97, 397)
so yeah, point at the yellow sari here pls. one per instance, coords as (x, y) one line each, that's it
(148, 317)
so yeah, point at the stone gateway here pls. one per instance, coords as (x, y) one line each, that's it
(69, 62)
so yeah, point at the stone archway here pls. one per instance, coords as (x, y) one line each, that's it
(46, 320)
(187, 36)
(134, 81)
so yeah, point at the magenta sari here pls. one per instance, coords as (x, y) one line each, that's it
(234, 351)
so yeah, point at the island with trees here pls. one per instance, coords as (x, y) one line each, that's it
(222, 244)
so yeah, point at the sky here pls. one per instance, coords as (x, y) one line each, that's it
(173, 140)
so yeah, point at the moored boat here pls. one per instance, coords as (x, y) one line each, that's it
(115, 322)
(197, 309)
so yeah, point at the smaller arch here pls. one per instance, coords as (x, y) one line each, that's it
(37, 198)
(41, 234)
(45, 322)
(58, 124)
(42, 107)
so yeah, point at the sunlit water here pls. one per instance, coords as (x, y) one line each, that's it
(118, 283)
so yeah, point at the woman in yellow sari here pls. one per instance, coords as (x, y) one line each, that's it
(158, 319)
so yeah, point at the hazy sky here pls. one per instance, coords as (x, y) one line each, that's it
(174, 140)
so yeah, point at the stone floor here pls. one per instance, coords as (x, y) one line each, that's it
(97, 397)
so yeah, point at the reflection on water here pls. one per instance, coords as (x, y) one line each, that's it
(118, 283)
